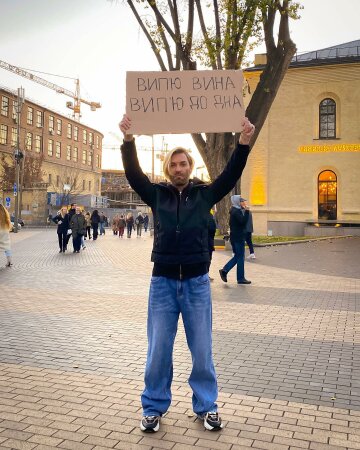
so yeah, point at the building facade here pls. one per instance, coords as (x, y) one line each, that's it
(69, 152)
(302, 175)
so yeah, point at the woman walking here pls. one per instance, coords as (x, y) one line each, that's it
(122, 225)
(95, 220)
(88, 225)
(78, 227)
(5, 225)
(63, 225)
(129, 224)
(115, 224)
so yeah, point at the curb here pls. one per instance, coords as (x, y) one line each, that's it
(272, 244)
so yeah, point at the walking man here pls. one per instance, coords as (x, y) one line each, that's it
(180, 281)
(239, 218)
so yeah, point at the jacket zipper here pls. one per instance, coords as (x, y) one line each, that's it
(178, 230)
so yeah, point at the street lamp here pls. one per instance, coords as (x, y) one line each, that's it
(18, 154)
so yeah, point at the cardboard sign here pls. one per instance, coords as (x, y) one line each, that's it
(185, 101)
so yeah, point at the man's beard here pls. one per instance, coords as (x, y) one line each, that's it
(179, 180)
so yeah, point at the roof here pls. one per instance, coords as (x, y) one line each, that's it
(349, 52)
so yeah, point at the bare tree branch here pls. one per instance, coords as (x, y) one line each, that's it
(209, 46)
(218, 34)
(152, 43)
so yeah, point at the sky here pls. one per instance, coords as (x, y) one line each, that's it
(97, 41)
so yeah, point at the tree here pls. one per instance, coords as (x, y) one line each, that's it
(67, 182)
(237, 26)
(31, 171)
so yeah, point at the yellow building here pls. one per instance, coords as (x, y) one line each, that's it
(303, 173)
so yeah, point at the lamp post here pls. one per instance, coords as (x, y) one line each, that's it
(18, 155)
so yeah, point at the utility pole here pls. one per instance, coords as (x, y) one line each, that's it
(18, 154)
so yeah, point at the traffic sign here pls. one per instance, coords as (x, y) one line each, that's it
(15, 188)
(8, 199)
(15, 193)
(8, 204)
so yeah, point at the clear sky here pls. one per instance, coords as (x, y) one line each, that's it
(99, 40)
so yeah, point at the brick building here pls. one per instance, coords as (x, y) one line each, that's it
(70, 152)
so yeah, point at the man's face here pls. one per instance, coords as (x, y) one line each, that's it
(243, 204)
(179, 170)
(78, 210)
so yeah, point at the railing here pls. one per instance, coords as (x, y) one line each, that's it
(328, 53)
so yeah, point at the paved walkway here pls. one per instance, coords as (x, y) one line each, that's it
(73, 345)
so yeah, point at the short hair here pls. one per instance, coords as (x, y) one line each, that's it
(175, 151)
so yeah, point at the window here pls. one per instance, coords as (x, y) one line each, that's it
(14, 134)
(57, 180)
(76, 133)
(51, 124)
(84, 137)
(50, 147)
(69, 131)
(97, 185)
(3, 133)
(84, 157)
(327, 195)
(58, 150)
(37, 144)
(50, 181)
(97, 141)
(89, 185)
(39, 119)
(98, 163)
(91, 138)
(89, 161)
(75, 154)
(68, 152)
(28, 141)
(83, 185)
(58, 127)
(4, 106)
(30, 116)
(327, 119)
(14, 110)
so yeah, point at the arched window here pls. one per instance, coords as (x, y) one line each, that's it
(327, 195)
(327, 119)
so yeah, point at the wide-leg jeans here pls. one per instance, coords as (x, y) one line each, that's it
(168, 298)
(238, 259)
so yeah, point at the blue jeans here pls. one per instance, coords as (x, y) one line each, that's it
(238, 259)
(168, 298)
(102, 228)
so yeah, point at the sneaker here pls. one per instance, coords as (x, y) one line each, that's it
(251, 256)
(212, 421)
(150, 424)
(244, 281)
(223, 275)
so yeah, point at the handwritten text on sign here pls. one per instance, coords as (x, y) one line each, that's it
(184, 101)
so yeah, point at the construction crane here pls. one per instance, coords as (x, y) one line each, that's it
(75, 107)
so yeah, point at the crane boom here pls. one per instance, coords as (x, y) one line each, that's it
(60, 90)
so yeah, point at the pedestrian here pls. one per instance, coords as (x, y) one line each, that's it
(78, 227)
(88, 225)
(115, 224)
(211, 238)
(83, 237)
(102, 223)
(63, 226)
(146, 222)
(71, 212)
(180, 281)
(139, 222)
(95, 220)
(249, 231)
(5, 227)
(239, 217)
(129, 224)
(122, 225)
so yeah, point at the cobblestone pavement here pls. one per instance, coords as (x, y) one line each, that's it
(73, 346)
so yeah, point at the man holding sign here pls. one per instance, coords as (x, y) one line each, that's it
(180, 280)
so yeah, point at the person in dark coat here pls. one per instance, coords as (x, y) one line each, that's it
(239, 217)
(129, 224)
(146, 222)
(78, 228)
(211, 238)
(95, 220)
(139, 222)
(63, 225)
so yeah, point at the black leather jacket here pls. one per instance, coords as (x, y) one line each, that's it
(181, 219)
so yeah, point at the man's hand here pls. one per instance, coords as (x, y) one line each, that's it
(247, 132)
(124, 126)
